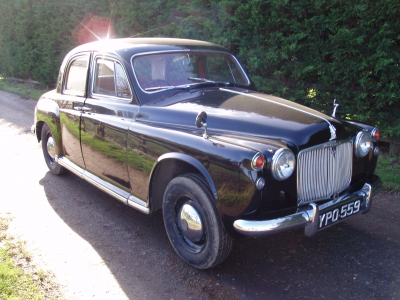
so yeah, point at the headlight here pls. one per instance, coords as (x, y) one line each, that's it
(283, 163)
(362, 144)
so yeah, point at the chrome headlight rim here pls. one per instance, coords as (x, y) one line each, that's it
(357, 144)
(274, 165)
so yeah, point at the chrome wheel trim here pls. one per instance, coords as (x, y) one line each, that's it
(50, 148)
(189, 225)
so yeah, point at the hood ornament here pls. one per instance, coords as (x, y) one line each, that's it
(201, 120)
(335, 105)
(332, 129)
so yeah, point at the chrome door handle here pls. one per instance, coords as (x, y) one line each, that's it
(82, 108)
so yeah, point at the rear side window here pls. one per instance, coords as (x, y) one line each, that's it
(77, 73)
(110, 79)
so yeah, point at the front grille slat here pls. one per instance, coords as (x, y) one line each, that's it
(324, 170)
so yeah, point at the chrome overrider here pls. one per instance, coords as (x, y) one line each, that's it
(308, 217)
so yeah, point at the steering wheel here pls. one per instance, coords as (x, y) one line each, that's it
(155, 80)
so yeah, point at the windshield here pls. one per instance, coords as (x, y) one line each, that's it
(168, 70)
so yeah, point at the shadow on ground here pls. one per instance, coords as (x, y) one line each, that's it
(353, 260)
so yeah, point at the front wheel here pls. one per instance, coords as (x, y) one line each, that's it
(193, 224)
(49, 151)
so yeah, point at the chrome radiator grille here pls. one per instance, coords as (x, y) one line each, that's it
(324, 170)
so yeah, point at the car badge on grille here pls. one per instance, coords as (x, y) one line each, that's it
(334, 151)
(333, 132)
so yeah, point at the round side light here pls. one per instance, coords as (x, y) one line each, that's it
(258, 161)
(375, 134)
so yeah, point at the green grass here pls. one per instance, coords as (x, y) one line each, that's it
(15, 281)
(24, 89)
(388, 169)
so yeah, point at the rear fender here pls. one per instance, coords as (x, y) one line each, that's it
(47, 111)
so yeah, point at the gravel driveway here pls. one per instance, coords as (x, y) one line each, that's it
(98, 248)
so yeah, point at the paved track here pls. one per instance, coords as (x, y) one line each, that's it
(101, 249)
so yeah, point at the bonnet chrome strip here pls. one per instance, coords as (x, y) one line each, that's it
(332, 129)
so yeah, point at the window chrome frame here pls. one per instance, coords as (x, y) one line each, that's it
(184, 51)
(66, 75)
(93, 74)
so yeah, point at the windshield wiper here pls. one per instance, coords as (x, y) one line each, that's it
(169, 87)
(160, 88)
(202, 79)
(207, 80)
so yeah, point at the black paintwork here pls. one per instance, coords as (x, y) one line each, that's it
(137, 145)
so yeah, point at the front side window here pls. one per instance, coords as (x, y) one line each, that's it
(76, 78)
(110, 79)
(158, 71)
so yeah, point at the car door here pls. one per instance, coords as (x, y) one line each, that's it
(109, 109)
(70, 101)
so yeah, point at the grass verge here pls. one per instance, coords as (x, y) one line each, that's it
(388, 169)
(25, 89)
(19, 279)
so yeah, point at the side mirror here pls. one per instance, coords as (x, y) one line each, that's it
(201, 120)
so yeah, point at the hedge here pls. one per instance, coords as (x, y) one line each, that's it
(308, 51)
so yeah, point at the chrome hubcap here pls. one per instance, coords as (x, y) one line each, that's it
(190, 223)
(50, 147)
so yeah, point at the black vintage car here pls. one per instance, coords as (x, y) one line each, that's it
(177, 125)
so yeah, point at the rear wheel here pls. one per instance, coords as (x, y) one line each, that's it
(49, 151)
(193, 224)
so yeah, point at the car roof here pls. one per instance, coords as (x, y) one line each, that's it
(126, 48)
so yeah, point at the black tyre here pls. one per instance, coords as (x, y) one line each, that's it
(49, 151)
(193, 224)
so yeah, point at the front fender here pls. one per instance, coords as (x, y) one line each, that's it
(223, 165)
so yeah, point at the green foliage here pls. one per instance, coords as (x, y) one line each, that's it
(14, 282)
(388, 169)
(336, 49)
(20, 88)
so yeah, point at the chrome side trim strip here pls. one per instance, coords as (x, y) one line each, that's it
(332, 129)
(138, 204)
(110, 189)
(101, 184)
(66, 163)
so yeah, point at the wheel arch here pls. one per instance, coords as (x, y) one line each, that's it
(47, 112)
(169, 166)
(38, 130)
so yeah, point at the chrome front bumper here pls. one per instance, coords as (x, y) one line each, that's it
(309, 216)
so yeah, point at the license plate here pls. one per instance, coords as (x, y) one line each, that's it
(335, 215)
